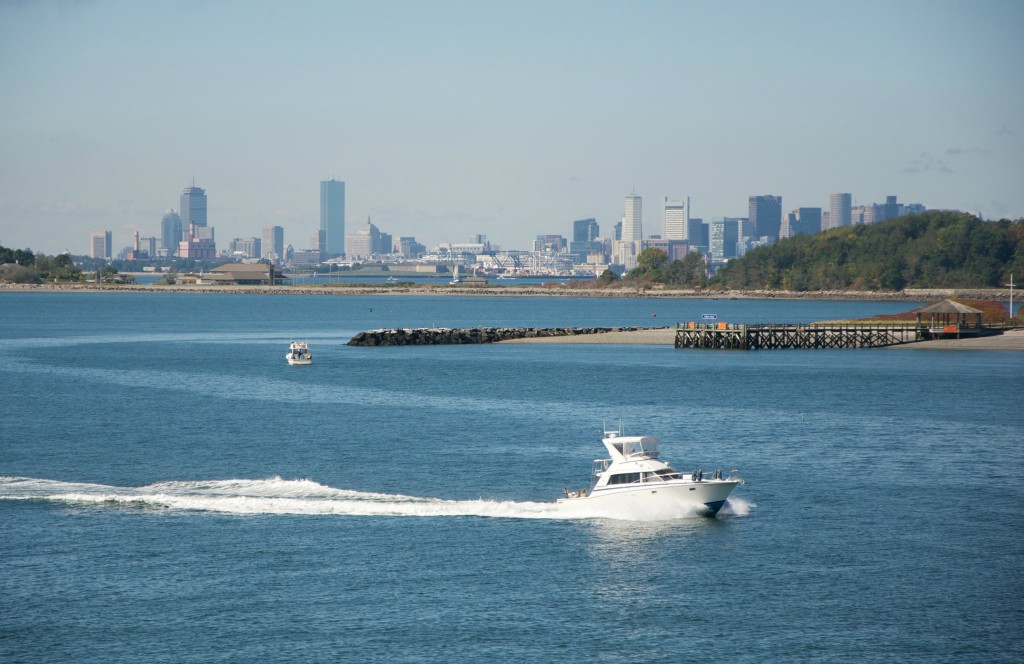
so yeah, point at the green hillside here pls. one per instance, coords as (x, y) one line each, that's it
(930, 250)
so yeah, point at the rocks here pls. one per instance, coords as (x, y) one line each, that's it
(478, 335)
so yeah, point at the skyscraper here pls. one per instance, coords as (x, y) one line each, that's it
(723, 234)
(840, 208)
(332, 216)
(100, 244)
(677, 219)
(585, 230)
(632, 220)
(193, 207)
(765, 214)
(170, 233)
(802, 221)
(273, 243)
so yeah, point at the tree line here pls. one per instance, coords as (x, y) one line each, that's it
(24, 266)
(936, 249)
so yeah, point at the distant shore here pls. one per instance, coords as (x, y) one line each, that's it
(548, 290)
(1013, 340)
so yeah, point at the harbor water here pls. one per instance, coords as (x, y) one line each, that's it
(171, 490)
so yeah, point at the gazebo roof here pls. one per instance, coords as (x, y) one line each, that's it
(947, 307)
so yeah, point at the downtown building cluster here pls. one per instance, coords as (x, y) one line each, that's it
(186, 234)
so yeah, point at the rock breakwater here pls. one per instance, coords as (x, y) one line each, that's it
(477, 335)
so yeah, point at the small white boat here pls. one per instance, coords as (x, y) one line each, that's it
(636, 479)
(298, 353)
(456, 279)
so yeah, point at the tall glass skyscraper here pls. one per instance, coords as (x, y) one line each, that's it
(170, 232)
(585, 230)
(765, 214)
(193, 207)
(332, 216)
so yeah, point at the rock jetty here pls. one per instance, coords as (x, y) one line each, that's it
(430, 336)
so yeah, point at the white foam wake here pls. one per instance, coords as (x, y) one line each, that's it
(280, 496)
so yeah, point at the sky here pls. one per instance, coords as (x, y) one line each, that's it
(449, 118)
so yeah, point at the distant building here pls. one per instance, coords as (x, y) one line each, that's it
(196, 248)
(551, 243)
(367, 241)
(581, 250)
(675, 249)
(744, 228)
(881, 211)
(765, 214)
(892, 208)
(410, 248)
(193, 207)
(305, 256)
(624, 253)
(170, 232)
(723, 235)
(840, 206)
(632, 220)
(332, 216)
(801, 221)
(246, 247)
(101, 244)
(697, 234)
(147, 246)
(745, 244)
(676, 216)
(318, 242)
(250, 273)
(140, 249)
(585, 230)
(273, 244)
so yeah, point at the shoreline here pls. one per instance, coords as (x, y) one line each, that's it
(558, 290)
(1012, 340)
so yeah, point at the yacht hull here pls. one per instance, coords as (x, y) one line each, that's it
(654, 501)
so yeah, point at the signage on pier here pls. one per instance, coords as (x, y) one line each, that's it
(709, 316)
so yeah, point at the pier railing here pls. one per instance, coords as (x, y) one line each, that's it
(726, 336)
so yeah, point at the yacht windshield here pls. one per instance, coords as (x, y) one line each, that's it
(640, 448)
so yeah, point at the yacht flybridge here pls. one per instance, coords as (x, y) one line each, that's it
(634, 477)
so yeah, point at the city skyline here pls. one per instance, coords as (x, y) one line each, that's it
(440, 131)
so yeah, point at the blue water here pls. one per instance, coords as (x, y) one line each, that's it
(172, 491)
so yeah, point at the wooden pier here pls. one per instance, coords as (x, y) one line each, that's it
(725, 336)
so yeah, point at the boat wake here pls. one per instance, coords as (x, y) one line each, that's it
(303, 497)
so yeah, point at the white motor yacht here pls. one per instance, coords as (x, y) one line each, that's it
(636, 479)
(298, 353)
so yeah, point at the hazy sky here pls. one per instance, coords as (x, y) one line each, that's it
(510, 119)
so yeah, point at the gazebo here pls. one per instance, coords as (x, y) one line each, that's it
(949, 317)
